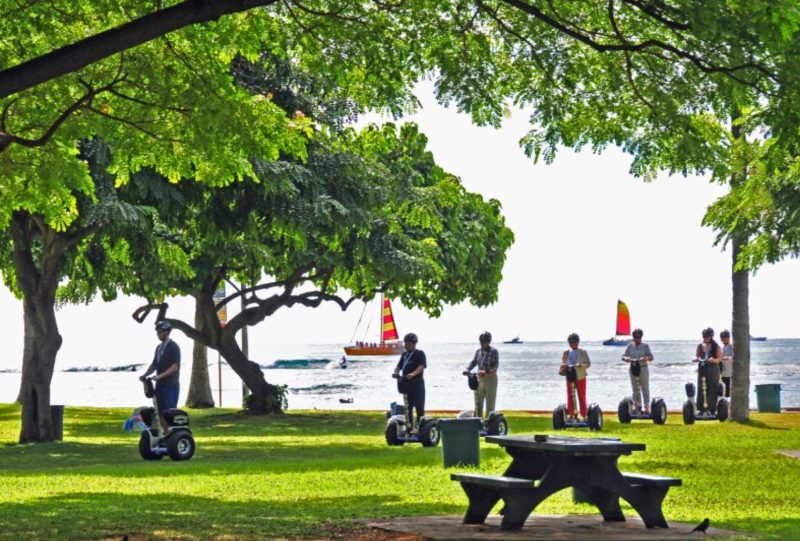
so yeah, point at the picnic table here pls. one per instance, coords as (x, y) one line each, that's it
(543, 465)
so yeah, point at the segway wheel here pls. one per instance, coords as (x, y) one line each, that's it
(723, 410)
(595, 417)
(560, 418)
(658, 411)
(144, 447)
(497, 425)
(180, 445)
(688, 412)
(624, 410)
(393, 434)
(429, 434)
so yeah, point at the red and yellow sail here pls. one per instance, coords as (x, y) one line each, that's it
(389, 330)
(623, 319)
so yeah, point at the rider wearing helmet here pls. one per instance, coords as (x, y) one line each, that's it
(166, 364)
(410, 381)
(487, 359)
(639, 356)
(574, 363)
(709, 357)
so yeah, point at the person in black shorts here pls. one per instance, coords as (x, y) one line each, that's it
(410, 381)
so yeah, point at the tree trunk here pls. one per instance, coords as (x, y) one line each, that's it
(38, 283)
(264, 397)
(42, 342)
(200, 395)
(740, 392)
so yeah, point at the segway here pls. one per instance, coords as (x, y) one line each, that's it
(398, 425)
(627, 411)
(700, 412)
(594, 415)
(156, 441)
(495, 424)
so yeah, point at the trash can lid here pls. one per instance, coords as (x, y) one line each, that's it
(769, 386)
(462, 423)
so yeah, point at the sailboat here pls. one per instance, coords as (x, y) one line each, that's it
(623, 326)
(389, 344)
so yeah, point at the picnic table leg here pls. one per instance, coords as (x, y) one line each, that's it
(519, 503)
(647, 501)
(481, 501)
(606, 501)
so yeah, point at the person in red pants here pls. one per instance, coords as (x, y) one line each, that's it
(574, 363)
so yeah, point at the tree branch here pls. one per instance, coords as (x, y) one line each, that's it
(702, 64)
(78, 55)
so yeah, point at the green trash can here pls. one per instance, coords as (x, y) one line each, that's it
(768, 396)
(461, 441)
(57, 417)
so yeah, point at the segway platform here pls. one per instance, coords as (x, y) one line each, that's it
(627, 411)
(692, 413)
(156, 443)
(495, 425)
(398, 433)
(593, 421)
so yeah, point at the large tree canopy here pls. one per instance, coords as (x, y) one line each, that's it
(369, 211)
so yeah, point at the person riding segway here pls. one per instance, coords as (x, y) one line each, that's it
(710, 403)
(484, 386)
(400, 427)
(574, 363)
(638, 406)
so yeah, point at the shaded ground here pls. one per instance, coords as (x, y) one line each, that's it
(547, 527)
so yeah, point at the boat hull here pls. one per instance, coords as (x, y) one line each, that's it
(614, 342)
(378, 349)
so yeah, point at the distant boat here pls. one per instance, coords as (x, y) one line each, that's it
(515, 340)
(623, 326)
(758, 338)
(390, 341)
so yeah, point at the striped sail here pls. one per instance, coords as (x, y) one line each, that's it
(389, 330)
(623, 319)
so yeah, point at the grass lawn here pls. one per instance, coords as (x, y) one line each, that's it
(313, 474)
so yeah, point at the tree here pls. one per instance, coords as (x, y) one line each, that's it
(35, 259)
(368, 212)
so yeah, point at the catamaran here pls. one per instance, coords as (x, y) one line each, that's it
(390, 343)
(623, 326)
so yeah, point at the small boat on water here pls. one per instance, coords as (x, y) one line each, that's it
(623, 326)
(758, 338)
(390, 343)
(515, 340)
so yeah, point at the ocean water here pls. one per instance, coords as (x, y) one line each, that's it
(528, 378)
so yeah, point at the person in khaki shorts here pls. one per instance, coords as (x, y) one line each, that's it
(487, 359)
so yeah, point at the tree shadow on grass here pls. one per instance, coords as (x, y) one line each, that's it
(85, 515)
(218, 457)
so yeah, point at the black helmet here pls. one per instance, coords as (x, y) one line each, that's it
(725, 334)
(410, 337)
(163, 326)
(573, 338)
(485, 337)
(708, 333)
(637, 332)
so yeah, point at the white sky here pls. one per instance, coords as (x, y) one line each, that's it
(587, 233)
